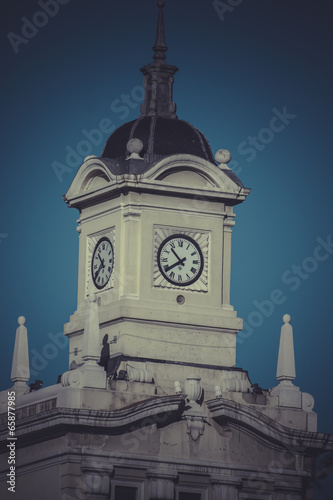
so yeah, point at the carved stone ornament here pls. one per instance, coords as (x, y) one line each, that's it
(193, 388)
(73, 378)
(195, 426)
(307, 402)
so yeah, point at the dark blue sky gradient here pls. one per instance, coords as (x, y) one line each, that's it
(233, 73)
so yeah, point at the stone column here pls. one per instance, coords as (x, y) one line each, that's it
(96, 480)
(161, 484)
(289, 491)
(225, 488)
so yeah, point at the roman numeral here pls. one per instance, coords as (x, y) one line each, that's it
(195, 262)
(172, 244)
(109, 269)
(95, 266)
(180, 243)
(180, 278)
(193, 270)
(193, 253)
(172, 275)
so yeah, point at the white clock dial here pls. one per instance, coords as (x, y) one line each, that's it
(180, 260)
(102, 263)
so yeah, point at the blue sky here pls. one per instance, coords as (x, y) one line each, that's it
(238, 70)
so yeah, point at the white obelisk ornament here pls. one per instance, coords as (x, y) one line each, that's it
(286, 359)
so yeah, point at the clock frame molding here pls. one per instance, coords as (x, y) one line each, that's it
(91, 242)
(201, 237)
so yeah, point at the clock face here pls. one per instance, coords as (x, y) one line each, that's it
(102, 262)
(180, 260)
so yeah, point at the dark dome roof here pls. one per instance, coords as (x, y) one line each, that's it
(160, 137)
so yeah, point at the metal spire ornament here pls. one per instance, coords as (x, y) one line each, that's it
(158, 80)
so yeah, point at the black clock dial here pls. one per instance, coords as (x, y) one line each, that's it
(102, 263)
(180, 260)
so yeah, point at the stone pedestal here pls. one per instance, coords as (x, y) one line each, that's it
(289, 395)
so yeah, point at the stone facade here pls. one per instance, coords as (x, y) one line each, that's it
(77, 442)
(153, 406)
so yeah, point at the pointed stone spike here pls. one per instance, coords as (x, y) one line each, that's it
(286, 359)
(20, 365)
(91, 342)
(160, 46)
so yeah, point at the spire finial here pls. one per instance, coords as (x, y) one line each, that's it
(159, 76)
(160, 46)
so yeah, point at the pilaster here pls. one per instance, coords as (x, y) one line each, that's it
(228, 223)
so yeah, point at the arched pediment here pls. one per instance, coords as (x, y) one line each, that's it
(189, 171)
(91, 176)
(94, 181)
(186, 177)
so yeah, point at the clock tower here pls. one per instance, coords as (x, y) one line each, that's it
(156, 215)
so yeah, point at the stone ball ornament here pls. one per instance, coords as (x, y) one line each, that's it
(286, 318)
(134, 146)
(21, 320)
(223, 156)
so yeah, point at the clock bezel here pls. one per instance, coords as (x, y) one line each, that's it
(195, 244)
(103, 238)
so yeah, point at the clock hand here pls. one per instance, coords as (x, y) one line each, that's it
(173, 251)
(180, 261)
(98, 270)
(102, 261)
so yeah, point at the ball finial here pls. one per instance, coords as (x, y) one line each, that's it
(223, 156)
(286, 318)
(134, 146)
(21, 320)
